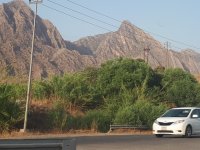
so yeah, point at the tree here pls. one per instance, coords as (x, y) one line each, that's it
(123, 72)
(180, 88)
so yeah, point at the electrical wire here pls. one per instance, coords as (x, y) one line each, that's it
(160, 47)
(158, 35)
(75, 17)
(59, 11)
(94, 19)
(94, 11)
(82, 14)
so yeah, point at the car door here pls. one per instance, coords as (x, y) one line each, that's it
(198, 121)
(195, 121)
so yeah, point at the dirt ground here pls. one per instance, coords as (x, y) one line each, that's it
(72, 133)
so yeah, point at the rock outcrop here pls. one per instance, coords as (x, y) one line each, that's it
(130, 41)
(51, 55)
(54, 55)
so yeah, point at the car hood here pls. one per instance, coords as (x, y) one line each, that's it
(170, 119)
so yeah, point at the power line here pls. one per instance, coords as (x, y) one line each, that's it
(91, 17)
(159, 35)
(95, 25)
(59, 11)
(115, 20)
(82, 14)
(147, 57)
(94, 11)
(76, 17)
(83, 20)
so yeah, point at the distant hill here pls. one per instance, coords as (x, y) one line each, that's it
(54, 55)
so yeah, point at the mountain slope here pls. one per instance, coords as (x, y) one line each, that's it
(51, 55)
(54, 55)
(130, 41)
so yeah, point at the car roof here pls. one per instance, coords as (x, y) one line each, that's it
(186, 108)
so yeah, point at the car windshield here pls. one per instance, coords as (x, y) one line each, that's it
(177, 113)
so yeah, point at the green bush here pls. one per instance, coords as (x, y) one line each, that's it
(96, 120)
(58, 115)
(122, 72)
(180, 88)
(92, 120)
(42, 90)
(126, 116)
(20, 91)
(10, 112)
(141, 113)
(121, 91)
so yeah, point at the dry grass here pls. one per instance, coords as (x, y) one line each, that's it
(197, 77)
(71, 133)
(45, 103)
(49, 134)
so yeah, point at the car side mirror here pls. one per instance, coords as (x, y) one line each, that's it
(195, 116)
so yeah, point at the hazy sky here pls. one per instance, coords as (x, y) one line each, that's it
(178, 20)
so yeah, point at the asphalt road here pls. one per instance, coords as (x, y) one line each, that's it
(137, 142)
(117, 142)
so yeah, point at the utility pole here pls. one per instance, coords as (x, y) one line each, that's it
(146, 54)
(167, 44)
(36, 2)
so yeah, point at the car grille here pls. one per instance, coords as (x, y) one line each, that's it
(165, 123)
(165, 131)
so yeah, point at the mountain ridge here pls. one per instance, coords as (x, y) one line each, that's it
(16, 33)
(54, 55)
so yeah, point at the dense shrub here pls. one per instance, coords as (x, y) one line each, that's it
(121, 91)
(96, 120)
(141, 113)
(58, 115)
(42, 90)
(92, 120)
(10, 112)
(180, 88)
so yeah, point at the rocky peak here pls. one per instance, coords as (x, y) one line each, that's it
(133, 33)
(16, 4)
(20, 18)
(130, 41)
(54, 55)
(127, 28)
(126, 25)
(16, 28)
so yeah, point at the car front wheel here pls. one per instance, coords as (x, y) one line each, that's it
(188, 131)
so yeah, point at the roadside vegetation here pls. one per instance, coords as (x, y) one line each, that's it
(121, 91)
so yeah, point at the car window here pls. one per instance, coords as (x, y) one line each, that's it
(199, 112)
(196, 112)
(177, 113)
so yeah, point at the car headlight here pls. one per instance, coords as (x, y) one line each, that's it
(156, 121)
(179, 121)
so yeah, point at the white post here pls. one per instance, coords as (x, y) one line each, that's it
(31, 62)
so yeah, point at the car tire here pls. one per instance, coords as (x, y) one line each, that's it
(188, 131)
(159, 135)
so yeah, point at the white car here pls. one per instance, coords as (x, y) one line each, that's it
(178, 121)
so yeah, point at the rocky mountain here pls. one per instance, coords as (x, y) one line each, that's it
(54, 55)
(130, 41)
(51, 55)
